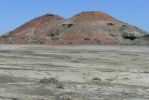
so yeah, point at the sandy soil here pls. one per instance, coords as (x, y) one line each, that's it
(74, 72)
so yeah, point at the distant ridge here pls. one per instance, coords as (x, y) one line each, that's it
(90, 27)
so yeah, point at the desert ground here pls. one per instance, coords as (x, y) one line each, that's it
(90, 72)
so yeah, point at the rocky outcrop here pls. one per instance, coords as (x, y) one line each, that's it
(92, 27)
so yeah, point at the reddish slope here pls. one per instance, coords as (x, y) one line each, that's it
(92, 16)
(27, 32)
(82, 30)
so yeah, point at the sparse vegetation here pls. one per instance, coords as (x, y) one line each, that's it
(52, 81)
(15, 99)
(96, 79)
(146, 71)
(109, 80)
(63, 98)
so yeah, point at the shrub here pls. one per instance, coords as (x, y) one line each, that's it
(96, 79)
(52, 81)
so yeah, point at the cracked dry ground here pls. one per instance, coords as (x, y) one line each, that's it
(35, 72)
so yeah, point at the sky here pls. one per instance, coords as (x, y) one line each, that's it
(14, 13)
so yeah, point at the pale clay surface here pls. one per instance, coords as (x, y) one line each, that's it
(87, 72)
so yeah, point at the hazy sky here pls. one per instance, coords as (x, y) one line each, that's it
(13, 13)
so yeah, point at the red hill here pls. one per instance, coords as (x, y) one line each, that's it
(91, 27)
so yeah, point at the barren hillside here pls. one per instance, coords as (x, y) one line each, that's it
(91, 27)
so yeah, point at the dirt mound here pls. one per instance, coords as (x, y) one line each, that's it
(91, 27)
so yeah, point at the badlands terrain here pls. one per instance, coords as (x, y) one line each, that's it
(89, 27)
(54, 58)
(89, 72)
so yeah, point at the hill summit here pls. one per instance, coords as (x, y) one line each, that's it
(90, 27)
